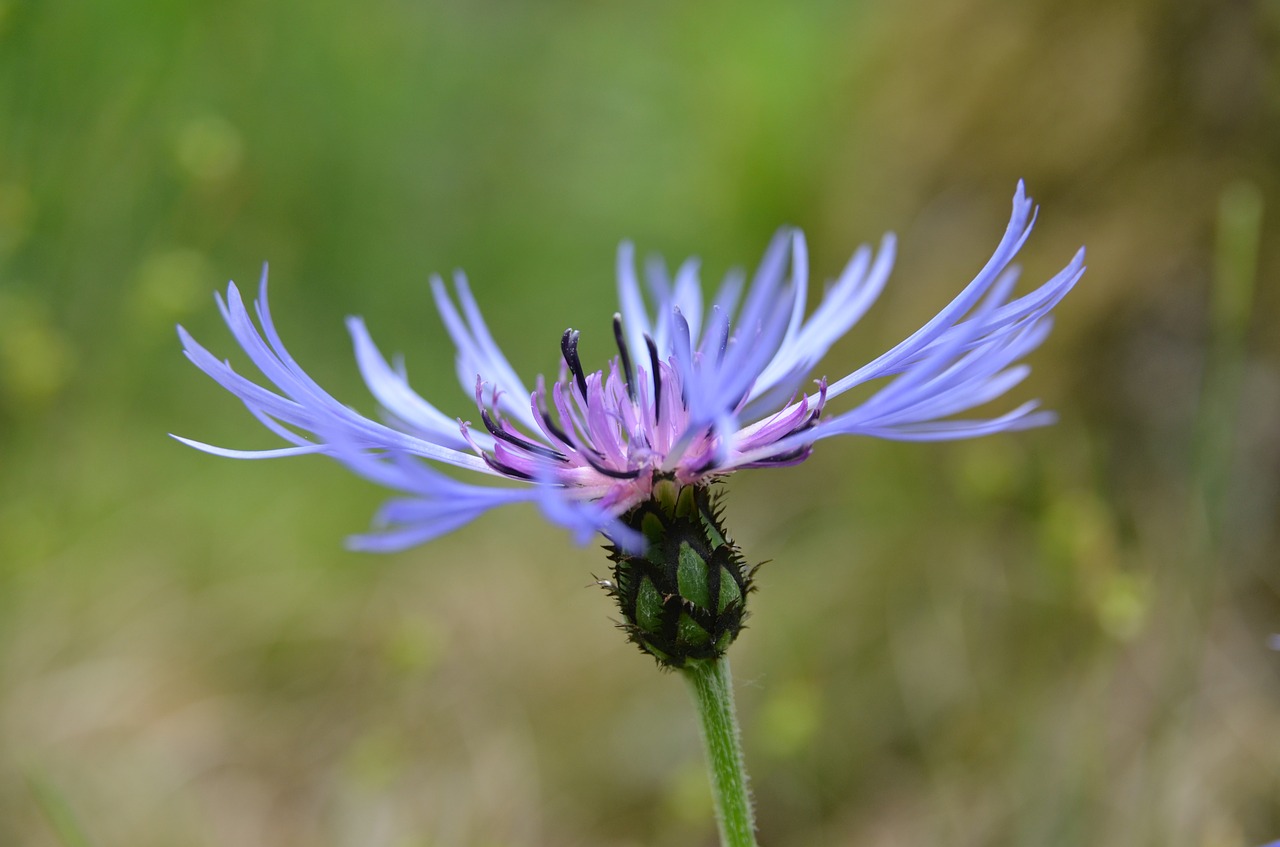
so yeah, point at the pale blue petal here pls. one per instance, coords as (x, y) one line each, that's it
(392, 390)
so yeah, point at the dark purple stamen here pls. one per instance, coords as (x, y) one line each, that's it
(523, 444)
(609, 471)
(657, 377)
(624, 356)
(504, 469)
(555, 430)
(569, 348)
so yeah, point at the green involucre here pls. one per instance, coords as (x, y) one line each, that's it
(685, 598)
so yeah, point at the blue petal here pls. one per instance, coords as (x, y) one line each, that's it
(302, 405)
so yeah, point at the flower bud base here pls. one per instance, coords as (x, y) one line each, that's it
(685, 598)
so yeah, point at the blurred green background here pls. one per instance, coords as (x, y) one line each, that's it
(1049, 638)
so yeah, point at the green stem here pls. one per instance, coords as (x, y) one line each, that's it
(712, 686)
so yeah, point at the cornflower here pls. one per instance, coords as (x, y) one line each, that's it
(696, 392)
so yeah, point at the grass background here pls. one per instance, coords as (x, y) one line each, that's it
(1050, 638)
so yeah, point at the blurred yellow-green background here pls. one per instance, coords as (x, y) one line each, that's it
(1046, 639)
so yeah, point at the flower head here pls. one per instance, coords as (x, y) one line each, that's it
(699, 388)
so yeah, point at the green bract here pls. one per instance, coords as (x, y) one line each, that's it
(685, 598)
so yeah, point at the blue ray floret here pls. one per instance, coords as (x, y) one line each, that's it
(699, 389)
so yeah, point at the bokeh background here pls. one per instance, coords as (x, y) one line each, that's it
(1051, 638)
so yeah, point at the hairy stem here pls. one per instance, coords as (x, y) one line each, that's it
(712, 686)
